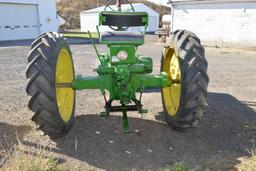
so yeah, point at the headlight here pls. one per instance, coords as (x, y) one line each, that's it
(122, 55)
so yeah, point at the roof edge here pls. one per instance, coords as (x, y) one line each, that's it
(175, 2)
(96, 10)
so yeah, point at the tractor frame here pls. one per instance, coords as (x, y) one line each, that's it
(123, 79)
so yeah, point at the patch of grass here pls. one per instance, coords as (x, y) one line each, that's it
(33, 163)
(23, 160)
(178, 166)
(38, 162)
(79, 35)
(248, 164)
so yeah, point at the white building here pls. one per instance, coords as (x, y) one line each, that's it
(90, 19)
(61, 21)
(217, 22)
(26, 19)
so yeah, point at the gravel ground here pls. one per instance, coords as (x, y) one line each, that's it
(227, 131)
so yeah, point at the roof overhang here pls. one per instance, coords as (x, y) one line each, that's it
(181, 2)
(19, 1)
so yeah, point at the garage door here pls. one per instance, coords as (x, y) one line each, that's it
(152, 26)
(18, 21)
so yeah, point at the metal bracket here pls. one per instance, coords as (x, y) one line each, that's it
(126, 122)
(124, 109)
(63, 85)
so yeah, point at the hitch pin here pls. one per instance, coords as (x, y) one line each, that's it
(175, 81)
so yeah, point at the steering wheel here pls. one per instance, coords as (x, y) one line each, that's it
(119, 6)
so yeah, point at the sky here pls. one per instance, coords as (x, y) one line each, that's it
(159, 1)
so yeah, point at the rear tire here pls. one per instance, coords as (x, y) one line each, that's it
(41, 84)
(194, 80)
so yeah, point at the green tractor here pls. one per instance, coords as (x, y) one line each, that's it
(121, 72)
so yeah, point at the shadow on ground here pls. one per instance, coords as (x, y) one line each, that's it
(11, 43)
(9, 136)
(227, 131)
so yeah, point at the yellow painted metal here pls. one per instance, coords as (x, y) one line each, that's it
(172, 95)
(65, 74)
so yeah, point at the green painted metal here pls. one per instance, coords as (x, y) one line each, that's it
(125, 122)
(95, 48)
(124, 79)
(137, 43)
(111, 82)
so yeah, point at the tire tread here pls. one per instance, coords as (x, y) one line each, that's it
(194, 80)
(41, 84)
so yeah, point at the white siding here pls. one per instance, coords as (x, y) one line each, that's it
(47, 16)
(219, 23)
(89, 21)
(153, 23)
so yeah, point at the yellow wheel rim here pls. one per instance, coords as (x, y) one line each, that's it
(65, 95)
(171, 95)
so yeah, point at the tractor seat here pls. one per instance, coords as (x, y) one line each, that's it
(122, 37)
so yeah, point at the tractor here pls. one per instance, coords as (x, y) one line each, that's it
(122, 73)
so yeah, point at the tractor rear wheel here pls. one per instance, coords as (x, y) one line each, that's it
(50, 63)
(184, 62)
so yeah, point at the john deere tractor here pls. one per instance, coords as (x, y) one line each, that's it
(122, 73)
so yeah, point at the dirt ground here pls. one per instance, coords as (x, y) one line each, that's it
(228, 129)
